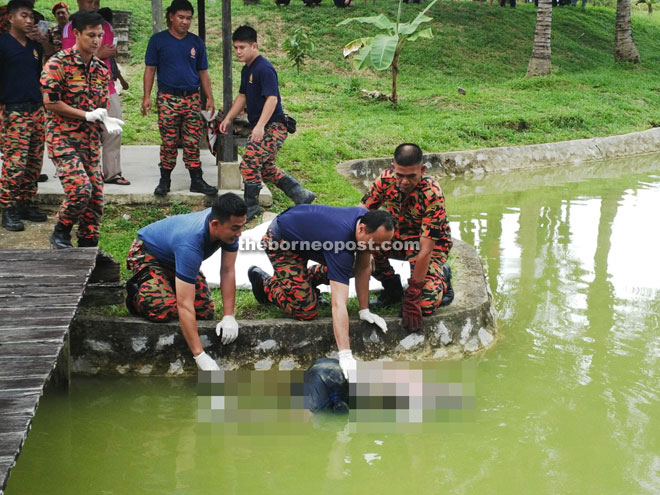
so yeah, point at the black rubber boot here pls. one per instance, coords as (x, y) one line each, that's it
(392, 292)
(163, 186)
(257, 278)
(83, 242)
(27, 211)
(61, 237)
(251, 197)
(448, 296)
(199, 185)
(295, 190)
(11, 220)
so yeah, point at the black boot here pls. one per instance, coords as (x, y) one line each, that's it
(251, 197)
(163, 186)
(42, 178)
(27, 211)
(11, 220)
(448, 296)
(257, 278)
(84, 242)
(199, 185)
(295, 190)
(61, 237)
(392, 292)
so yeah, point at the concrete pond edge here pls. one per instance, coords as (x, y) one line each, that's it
(102, 345)
(511, 158)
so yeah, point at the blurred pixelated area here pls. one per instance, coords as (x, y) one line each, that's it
(382, 397)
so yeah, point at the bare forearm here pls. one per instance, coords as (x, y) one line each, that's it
(267, 112)
(228, 290)
(205, 80)
(148, 80)
(362, 274)
(340, 327)
(236, 107)
(422, 265)
(189, 328)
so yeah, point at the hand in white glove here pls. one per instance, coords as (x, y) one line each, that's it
(228, 327)
(369, 317)
(112, 125)
(205, 362)
(348, 364)
(96, 115)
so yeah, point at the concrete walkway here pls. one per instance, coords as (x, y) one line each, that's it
(140, 166)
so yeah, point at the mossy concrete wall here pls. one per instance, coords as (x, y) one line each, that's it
(123, 345)
(509, 158)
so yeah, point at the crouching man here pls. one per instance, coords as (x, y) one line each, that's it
(422, 236)
(341, 240)
(165, 260)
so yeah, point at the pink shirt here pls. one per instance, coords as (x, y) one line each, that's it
(69, 39)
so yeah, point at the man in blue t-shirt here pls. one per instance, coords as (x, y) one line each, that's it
(165, 260)
(22, 118)
(178, 58)
(341, 239)
(259, 92)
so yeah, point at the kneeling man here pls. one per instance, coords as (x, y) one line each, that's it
(339, 238)
(422, 236)
(165, 260)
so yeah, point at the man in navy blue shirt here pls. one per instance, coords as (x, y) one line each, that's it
(259, 92)
(179, 60)
(22, 118)
(341, 239)
(165, 260)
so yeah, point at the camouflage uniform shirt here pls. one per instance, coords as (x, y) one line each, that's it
(418, 214)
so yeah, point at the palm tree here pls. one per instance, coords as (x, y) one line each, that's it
(540, 64)
(624, 45)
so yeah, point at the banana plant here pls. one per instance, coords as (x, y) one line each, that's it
(380, 52)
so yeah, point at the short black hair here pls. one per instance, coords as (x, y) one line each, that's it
(84, 19)
(178, 5)
(245, 33)
(228, 205)
(374, 219)
(407, 154)
(106, 13)
(15, 5)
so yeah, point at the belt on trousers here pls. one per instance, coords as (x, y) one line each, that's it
(26, 106)
(178, 92)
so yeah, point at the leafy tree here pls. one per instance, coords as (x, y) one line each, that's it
(298, 47)
(382, 51)
(648, 3)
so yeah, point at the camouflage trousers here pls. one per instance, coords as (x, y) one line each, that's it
(258, 164)
(293, 286)
(156, 297)
(434, 283)
(78, 167)
(179, 119)
(22, 155)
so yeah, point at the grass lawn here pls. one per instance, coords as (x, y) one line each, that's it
(484, 50)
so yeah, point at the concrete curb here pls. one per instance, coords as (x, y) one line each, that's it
(508, 158)
(133, 346)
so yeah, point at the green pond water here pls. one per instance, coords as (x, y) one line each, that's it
(567, 400)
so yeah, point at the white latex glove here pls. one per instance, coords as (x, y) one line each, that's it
(228, 327)
(205, 362)
(96, 115)
(348, 364)
(112, 125)
(370, 317)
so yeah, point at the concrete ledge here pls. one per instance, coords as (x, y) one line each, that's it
(504, 159)
(121, 346)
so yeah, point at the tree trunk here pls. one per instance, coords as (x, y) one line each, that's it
(395, 74)
(157, 16)
(624, 45)
(540, 63)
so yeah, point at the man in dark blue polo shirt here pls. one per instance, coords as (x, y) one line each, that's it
(259, 91)
(165, 260)
(22, 118)
(341, 239)
(179, 60)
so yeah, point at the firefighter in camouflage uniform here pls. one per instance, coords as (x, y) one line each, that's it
(422, 236)
(22, 118)
(75, 90)
(179, 60)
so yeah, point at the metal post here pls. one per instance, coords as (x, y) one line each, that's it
(227, 89)
(201, 19)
